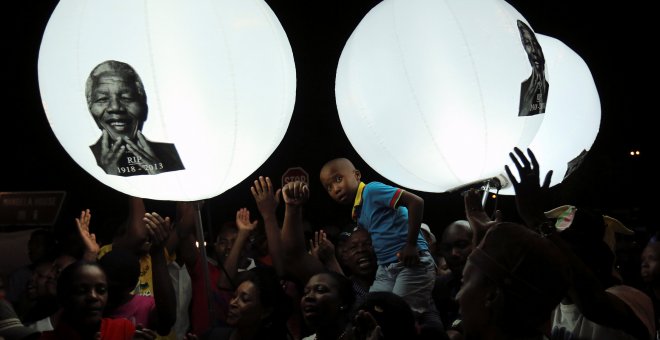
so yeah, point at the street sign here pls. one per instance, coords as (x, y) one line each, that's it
(30, 207)
(295, 174)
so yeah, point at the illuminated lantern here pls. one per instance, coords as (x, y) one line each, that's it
(219, 80)
(429, 92)
(567, 133)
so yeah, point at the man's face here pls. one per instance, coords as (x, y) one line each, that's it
(116, 106)
(456, 246)
(358, 254)
(532, 47)
(341, 181)
(225, 243)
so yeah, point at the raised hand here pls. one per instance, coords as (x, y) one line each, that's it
(295, 193)
(243, 220)
(159, 228)
(529, 192)
(265, 195)
(321, 247)
(476, 215)
(89, 240)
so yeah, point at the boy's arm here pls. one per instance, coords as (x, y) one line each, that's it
(415, 205)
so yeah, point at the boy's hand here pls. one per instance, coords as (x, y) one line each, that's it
(409, 255)
(295, 193)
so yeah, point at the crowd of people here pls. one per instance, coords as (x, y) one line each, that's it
(385, 275)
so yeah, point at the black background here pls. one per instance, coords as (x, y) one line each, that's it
(614, 38)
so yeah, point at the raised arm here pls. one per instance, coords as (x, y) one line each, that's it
(586, 291)
(245, 227)
(88, 239)
(300, 264)
(529, 192)
(159, 229)
(267, 199)
(477, 217)
(323, 249)
(415, 205)
(185, 233)
(136, 233)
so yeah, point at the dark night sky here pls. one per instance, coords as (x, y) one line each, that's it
(612, 37)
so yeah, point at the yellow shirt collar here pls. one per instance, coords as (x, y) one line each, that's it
(358, 200)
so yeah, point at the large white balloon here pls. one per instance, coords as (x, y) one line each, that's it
(572, 120)
(219, 77)
(428, 91)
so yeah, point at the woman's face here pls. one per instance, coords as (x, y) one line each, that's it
(245, 309)
(321, 301)
(89, 294)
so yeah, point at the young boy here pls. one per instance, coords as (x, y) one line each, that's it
(392, 217)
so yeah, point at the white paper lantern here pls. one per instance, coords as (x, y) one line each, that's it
(428, 91)
(219, 77)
